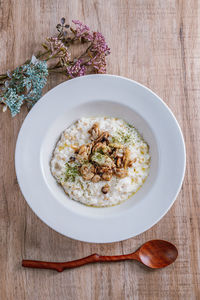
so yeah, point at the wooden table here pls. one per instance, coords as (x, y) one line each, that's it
(158, 44)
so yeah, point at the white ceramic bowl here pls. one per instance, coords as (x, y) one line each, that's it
(100, 95)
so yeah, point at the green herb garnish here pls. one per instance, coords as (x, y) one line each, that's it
(130, 126)
(72, 171)
(122, 137)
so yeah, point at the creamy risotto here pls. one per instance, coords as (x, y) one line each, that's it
(100, 161)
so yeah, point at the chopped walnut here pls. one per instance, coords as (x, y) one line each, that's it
(101, 146)
(116, 145)
(105, 189)
(104, 170)
(121, 173)
(84, 152)
(103, 137)
(130, 163)
(101, 170)
(119, 162)
(75, 148)
(87, 171)
(89, 147)
(107, 176)
(82, 149)
(97, 147)
(96, 178)
(118, 153)
(94, 131)
(126, 157)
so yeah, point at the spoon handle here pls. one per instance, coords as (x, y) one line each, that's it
(61, 266)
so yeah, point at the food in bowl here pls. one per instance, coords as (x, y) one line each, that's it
(100, 161)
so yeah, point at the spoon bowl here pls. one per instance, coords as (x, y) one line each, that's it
(157, 254)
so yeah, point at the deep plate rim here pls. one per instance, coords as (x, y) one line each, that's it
(20, 143)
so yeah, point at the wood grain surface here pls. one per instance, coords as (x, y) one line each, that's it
(158, 44)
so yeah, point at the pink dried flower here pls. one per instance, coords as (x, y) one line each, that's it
(82, 30)
(102, 66)
(99, 63)
(58, 48)
(99, 44)
(76, 69)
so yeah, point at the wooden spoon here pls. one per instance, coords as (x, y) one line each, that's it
(154, 254)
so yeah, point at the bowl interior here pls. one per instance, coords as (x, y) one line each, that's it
(92, 109)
